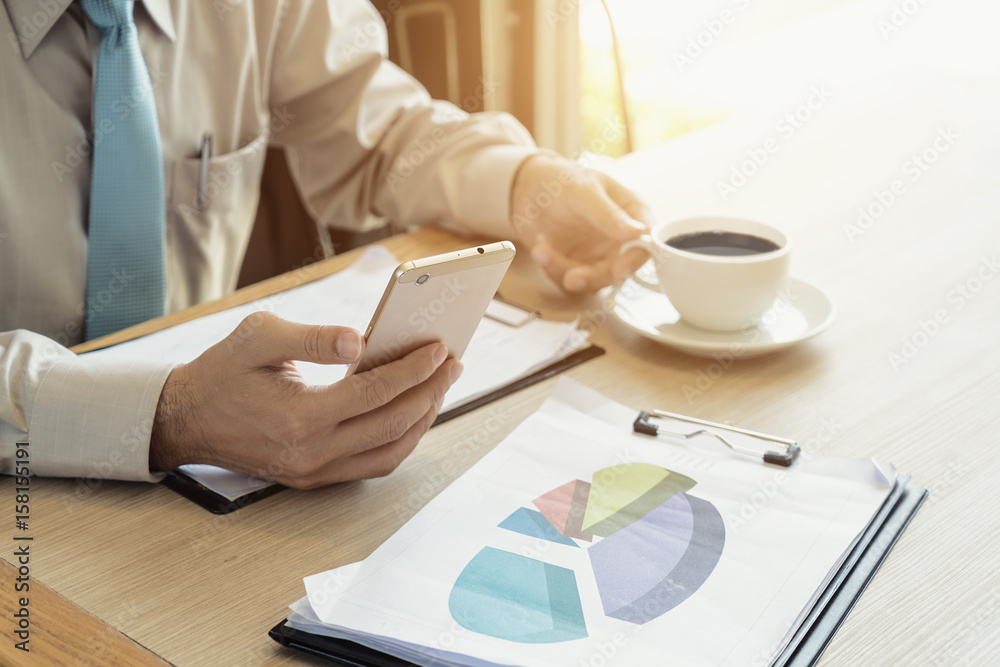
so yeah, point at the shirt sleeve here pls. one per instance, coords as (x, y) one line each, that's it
(81, 417)
(363, 136)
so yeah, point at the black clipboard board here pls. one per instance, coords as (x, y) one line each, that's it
(216, 503)
(858, 569)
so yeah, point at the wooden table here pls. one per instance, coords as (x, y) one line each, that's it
(57, 632)
(884, 381)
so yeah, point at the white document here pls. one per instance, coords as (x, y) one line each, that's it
(734, 589)
(497, 355)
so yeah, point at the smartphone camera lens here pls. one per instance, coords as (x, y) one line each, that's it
(422, 279)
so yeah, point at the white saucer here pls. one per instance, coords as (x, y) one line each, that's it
(800, 312)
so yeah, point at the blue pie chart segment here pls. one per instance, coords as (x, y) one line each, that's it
(652, 565)
(534, 524)
(513, 597)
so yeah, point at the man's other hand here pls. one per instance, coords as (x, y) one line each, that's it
(243, 405)
(574, 220)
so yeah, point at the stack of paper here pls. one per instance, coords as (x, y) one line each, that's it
(577, 542)
(498, 354)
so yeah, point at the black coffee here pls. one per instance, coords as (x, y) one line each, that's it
(722, 243)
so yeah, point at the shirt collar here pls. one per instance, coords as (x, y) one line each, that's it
(159, 11)
(32, 20)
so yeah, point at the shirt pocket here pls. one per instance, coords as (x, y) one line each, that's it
(210, 214)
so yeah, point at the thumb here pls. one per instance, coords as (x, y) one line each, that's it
(271, 340)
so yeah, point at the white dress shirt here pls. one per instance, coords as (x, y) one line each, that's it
(360, 136)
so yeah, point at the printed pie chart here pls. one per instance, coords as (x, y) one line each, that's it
(651, 546)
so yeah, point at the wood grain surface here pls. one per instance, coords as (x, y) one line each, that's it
(59, 632)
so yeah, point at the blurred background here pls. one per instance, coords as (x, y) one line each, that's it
(685, 65)
(555, 64)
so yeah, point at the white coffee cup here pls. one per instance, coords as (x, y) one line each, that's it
(716, 291)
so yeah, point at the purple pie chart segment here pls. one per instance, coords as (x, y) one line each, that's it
(693, 570)
(652, 565)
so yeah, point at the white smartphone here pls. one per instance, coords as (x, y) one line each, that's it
(435, 299)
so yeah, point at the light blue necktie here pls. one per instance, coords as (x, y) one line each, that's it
(126, 281)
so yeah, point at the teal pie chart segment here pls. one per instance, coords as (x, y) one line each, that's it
(508, 596)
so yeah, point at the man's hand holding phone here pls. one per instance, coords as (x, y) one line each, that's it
(242, 405)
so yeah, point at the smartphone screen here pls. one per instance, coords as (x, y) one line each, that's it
(435, 299)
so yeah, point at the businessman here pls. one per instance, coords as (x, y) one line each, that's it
(133, 142)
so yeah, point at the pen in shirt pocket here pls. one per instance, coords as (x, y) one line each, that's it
(205, 155)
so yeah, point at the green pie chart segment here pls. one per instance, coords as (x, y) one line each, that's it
(623, 494)
(513, 597)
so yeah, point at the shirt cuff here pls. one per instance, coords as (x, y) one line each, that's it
(485, 192)
(93, 418)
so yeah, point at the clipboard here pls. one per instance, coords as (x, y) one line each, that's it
(811, 638)
(187, 486)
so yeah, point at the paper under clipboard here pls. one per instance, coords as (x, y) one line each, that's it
(512, 348)
(780, 605)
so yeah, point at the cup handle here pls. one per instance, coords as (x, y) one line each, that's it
(646, 243)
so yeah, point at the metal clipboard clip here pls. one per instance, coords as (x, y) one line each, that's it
(784, 457)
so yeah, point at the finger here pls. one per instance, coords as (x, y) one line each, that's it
(591, 202)
(571, 275)
(628, 263)
(592, 277)
(363, 392)
(553, 262)
(380, 461)
(270, 340)
(628, 200)
(389, 422)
